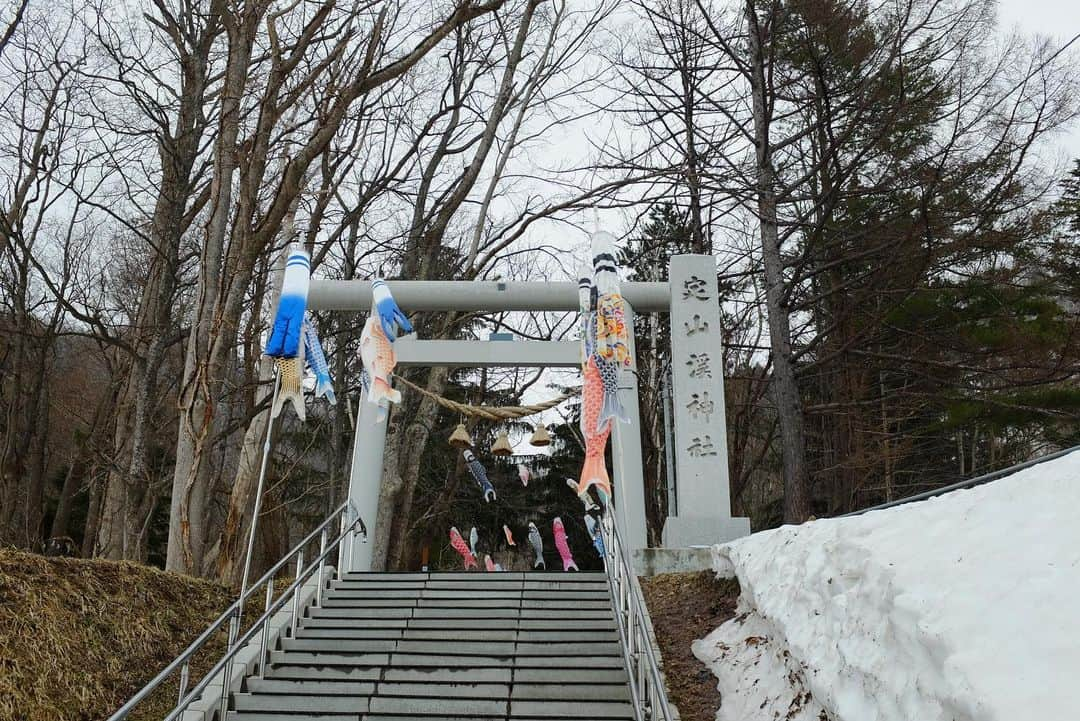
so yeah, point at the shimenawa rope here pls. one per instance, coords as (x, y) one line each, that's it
(492, 413)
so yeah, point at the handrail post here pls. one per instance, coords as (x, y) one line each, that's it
(296, 593)
(322, 565)
(185, 676)
(226, 678)
(264, 636)
(341, 546)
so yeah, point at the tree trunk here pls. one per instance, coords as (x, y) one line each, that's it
(402, 465)
(77, 470)
(202, 359)
(230, 562)
(785, 387)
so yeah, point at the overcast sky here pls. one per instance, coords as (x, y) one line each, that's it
(1059, 19)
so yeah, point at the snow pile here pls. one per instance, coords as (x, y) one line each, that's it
(959, 608)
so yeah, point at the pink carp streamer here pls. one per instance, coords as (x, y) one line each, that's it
(594, 471)
(562, 546)
(463, 548)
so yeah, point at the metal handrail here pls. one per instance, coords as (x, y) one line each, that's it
(232, 615)
(647, 690)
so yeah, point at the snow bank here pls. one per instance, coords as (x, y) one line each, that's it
(963, 607)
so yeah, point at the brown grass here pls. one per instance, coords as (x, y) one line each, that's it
(79, 637)
(685, 607)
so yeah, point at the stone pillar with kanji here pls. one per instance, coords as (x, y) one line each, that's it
(702, 515)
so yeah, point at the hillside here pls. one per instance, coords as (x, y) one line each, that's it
(78, 637)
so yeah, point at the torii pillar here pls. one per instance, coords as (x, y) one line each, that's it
(702, 490)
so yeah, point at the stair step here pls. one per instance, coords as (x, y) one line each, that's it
(585, 692)
(456, 585)
(543, 648)
(430, 706)
(453, 689)
(570, 676)
(571, 709)
(344, 620)
(438, 707)
(441, 661)
(455, 647)
(506, 586)
(376, 576)
(526, 612)
(596, 622)
(382, 660)
(419, 717)
(462, 625)
(402, 675)
(452, 634)
(314, 620)
(511, 603)
(300, 703)
(278, 686)
(575, 593)
(256, 716)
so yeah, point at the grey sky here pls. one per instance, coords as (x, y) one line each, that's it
(1059, 19)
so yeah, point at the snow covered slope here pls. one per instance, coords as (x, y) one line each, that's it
(964, 607)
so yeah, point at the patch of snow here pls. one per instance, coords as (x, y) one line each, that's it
(721, 564)
(758, 677)
(959, 608)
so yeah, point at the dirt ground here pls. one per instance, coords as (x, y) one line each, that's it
(685, 607)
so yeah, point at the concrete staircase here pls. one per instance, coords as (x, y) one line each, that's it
(451, 646)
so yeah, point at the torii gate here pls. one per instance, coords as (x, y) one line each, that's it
(702, 493)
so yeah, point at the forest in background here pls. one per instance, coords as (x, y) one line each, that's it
(899, 247)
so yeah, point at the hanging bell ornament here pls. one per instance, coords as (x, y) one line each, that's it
(460, 437)
(501, 447)
(540, 436)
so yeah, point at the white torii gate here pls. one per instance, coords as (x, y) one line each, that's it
(690, 296)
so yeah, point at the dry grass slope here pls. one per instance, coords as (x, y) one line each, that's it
(78, 637)
(685, 607)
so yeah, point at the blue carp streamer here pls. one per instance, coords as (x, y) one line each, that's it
(284, 341)
(390, 315)
(324, 385)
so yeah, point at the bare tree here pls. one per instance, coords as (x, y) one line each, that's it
(319, 60)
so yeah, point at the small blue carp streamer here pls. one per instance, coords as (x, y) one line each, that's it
(324, 385)
(285, 333)
(594, 532)
(390, 315)
(479, 475)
